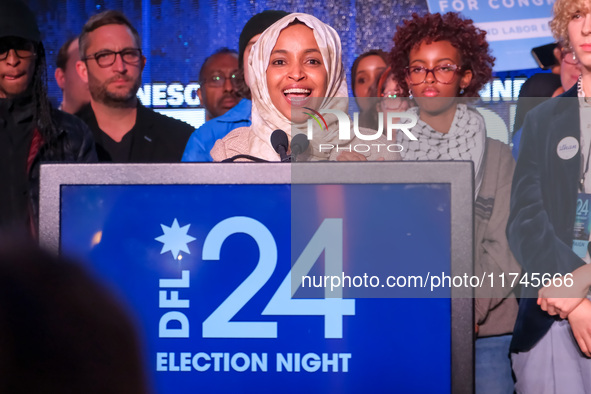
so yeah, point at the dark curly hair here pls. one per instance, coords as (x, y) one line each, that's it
(469, 40)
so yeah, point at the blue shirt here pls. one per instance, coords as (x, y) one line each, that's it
(203, 139)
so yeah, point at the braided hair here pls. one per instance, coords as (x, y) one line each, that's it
(42, 117)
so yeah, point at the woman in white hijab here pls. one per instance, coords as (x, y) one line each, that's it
(297, 62)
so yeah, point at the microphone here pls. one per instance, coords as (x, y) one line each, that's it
(280, 143)
(299, 144)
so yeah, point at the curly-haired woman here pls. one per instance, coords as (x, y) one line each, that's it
(439, 60)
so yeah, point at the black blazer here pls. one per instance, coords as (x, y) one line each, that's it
(543, 207)
(157, 138)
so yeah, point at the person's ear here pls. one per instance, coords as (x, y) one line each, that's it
(407, 79)
(557, 55)
(82, 70)
(466, 79)
(60, 78)
(199, 94)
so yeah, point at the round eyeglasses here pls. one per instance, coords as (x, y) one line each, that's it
(391, 94)
(443, 74)
(218, 80)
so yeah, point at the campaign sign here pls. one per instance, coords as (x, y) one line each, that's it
(582, 226)
(204, 267)
(513, 27)
(207, 257)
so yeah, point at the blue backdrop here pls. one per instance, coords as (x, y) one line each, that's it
(179, 34)
(154, 244)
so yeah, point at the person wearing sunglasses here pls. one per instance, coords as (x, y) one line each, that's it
(125, 131)
(217, 78)
(443, 61)
(31, 131)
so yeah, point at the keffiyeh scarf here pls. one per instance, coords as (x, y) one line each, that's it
(466, 140)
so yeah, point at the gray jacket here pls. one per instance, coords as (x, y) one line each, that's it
(496, 306)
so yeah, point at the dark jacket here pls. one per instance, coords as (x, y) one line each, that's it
(157, 138)
(72, 143)
(543, 207)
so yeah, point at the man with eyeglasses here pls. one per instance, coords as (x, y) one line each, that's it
(31, 131)
(218, 83)
(125, 131)
(203, 139)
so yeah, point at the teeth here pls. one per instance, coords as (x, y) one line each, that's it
(296, 90)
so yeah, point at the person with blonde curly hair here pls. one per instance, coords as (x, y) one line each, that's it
(551, 347)
(564, 10)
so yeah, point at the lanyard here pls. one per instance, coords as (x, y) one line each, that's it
(584, 170)
(584, 158)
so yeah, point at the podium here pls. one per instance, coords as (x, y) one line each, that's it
(231, 270)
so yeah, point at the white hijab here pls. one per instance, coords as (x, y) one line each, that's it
(265, 116)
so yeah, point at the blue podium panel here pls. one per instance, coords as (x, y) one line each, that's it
(204, 270)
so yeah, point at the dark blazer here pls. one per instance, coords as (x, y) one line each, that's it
(543, 207)
(157, 138)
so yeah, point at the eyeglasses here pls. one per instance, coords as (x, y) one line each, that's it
(219, 80)
(569, 57)
(107, 58)
(442, 74)
(391, 94)
(23, 49)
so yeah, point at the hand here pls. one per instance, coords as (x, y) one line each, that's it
(580, 324)
(558, 306)
(562, 300)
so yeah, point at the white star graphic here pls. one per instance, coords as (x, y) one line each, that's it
(175, 239)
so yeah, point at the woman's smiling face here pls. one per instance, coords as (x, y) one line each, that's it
(296, 72)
